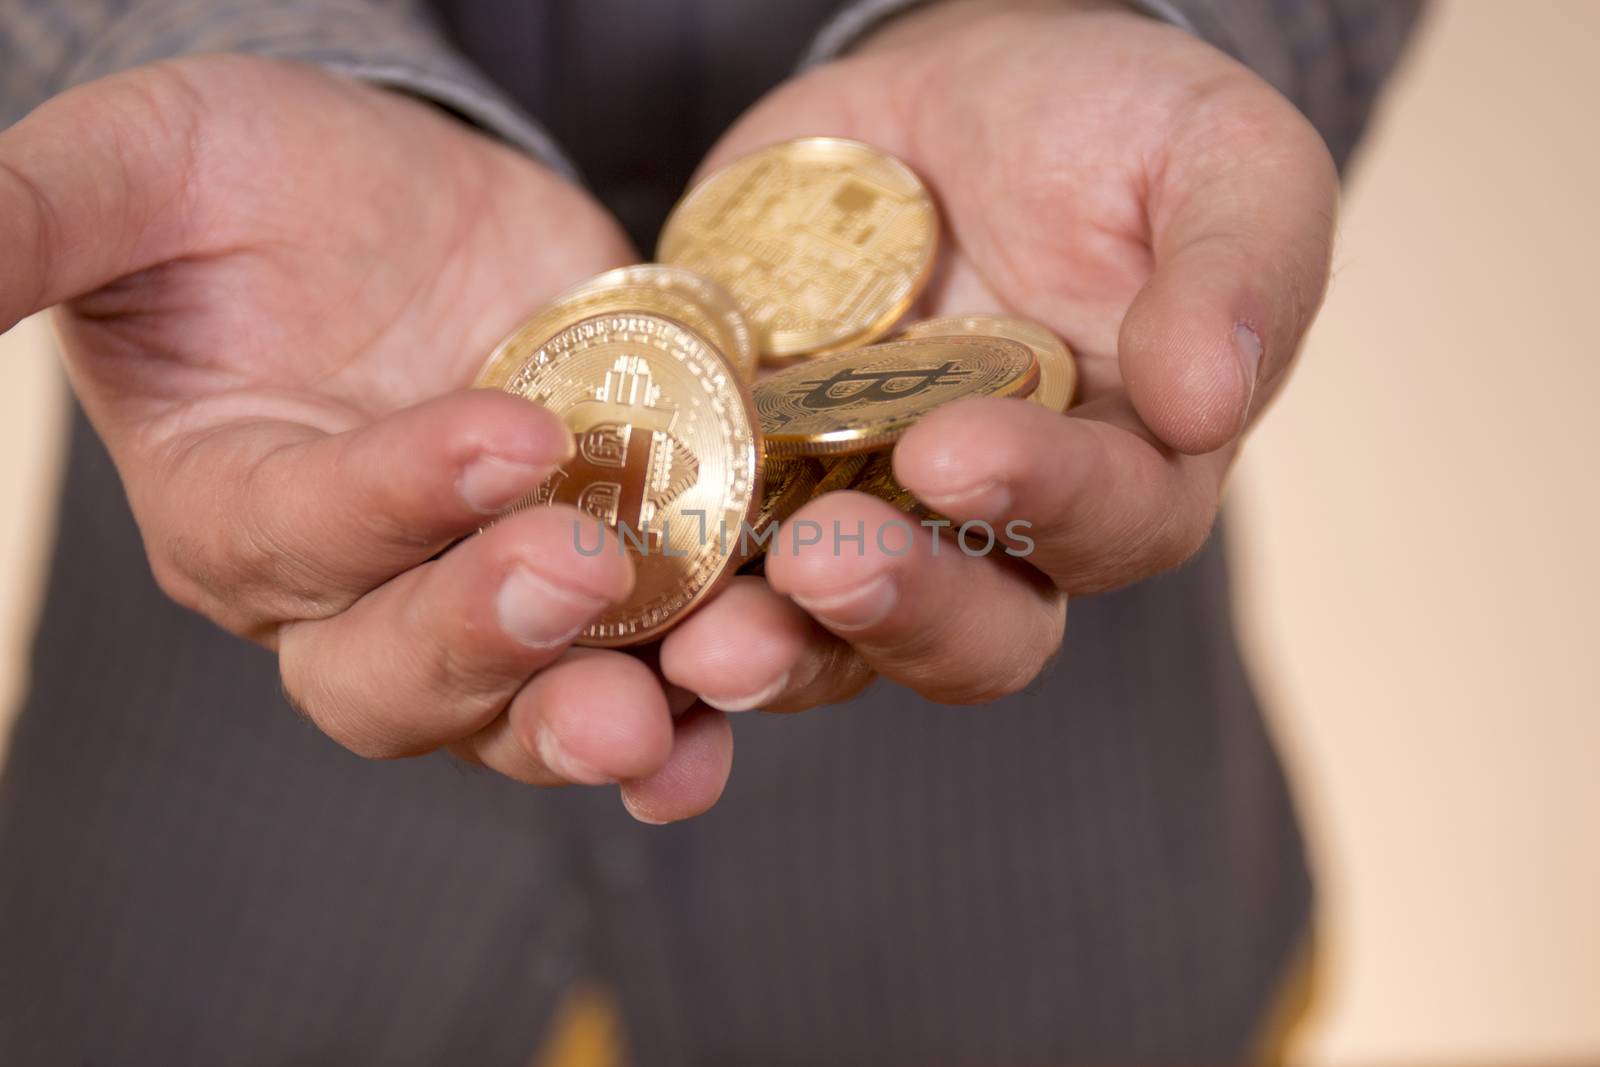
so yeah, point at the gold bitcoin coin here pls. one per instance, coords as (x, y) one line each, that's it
(825, 243)
(876, 478)
(1058, 372)
(864, 400)
(667, 455)
(733, 334)
(592, 298)
(786, 485)
(841, 473)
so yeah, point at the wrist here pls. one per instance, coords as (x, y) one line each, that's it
(925, 26)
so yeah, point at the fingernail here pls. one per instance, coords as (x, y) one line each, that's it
(856, 610)
(490, 484)
(639, 812)
(988, 498)
(557, 760)
(1248, 344)
(541, 614)
(754, 700)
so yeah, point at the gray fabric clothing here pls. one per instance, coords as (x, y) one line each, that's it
(1105, 868)
(47, 46)
(1328, 56)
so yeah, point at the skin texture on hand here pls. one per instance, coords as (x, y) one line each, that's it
(273, 285)
(1153, 202)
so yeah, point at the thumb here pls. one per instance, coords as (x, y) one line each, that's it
(93, 186)
(1242, 235)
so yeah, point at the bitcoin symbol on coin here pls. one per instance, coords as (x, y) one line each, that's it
(628, 466)
(862, 400)
(666, 447)
(876, 387)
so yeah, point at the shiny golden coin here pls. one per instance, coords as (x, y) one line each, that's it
(786, 485)
(733, 334)
(841, 473)
(876, 478)
(825, 243)
(863, 400)
(592, 298)
(1058, 372)
(876, 475)
(667, 455)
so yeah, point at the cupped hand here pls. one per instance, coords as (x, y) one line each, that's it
(274, 286)
(1153, 202)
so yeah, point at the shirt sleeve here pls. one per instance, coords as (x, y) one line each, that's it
(48, 46)
(1330, 57)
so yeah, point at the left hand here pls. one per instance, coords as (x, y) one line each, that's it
(1156, 204)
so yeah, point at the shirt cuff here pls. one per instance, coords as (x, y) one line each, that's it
(385, 43)
(853, 24)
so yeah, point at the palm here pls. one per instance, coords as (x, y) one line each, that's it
(1156, 204)
(1042, 199)
(274, 284)
(332, 292)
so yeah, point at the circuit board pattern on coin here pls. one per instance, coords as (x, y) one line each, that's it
(865, 399)
(841, 472)
(876, 478)
(824, 242)
(667, 455)
(787, 483)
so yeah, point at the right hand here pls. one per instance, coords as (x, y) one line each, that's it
(274, 285)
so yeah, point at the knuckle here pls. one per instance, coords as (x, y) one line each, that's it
(469, 687)
(183, 574)
(258, 558)
(990, 686)
(1013, 674)
(430, 687)
(530, 711)
(840, 673)
(252, 571)
(1180, 537)
(1012, 682)
(1010, 667)
(211, 551)
(309, 689)
(32, 235)
(177, 579)
(349, 727)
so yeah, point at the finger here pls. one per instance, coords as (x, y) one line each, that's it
(1242, 232)
(956, 628)
(753, 648)
(93, 186)
(438, 652)
(1100, 505)
(595, 716)
(266, 522)
(694, 775)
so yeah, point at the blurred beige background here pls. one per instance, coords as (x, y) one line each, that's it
(1416, 547)
(1415, 529)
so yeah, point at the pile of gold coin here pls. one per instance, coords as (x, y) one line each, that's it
(802, 257)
